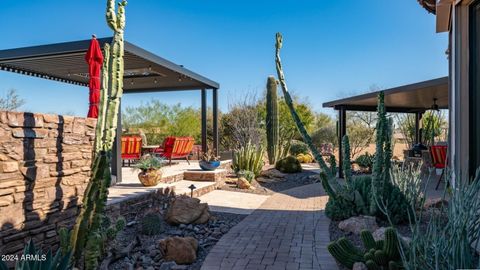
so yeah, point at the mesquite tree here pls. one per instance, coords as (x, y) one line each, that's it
(86, 236)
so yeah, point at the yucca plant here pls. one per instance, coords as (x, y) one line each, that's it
(248, 158)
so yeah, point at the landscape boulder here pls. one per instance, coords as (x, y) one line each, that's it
(379, 234)
(435, 203)
(186, 210)
(359, 266)
(272, 173)
(357, 224)
(243, 183)
(181, 250)
(288, 164)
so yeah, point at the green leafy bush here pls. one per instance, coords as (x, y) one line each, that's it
(298, 147)
(288, 164)
(365, 161)
(248, 158)
(248, 175)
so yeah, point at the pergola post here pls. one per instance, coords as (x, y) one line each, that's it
(204, 120)
(418, 128)
(342, 130)
(116, 162)
(215, 120)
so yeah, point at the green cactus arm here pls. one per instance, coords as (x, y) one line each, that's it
(103, 100)
(111, 16)
(371, 265)
(340, 255)
(368, 240)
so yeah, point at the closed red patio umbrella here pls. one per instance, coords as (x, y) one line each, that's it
(94, 58)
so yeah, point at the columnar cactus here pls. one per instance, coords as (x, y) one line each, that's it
(327, 176)
(86, 232)
(347, 165)
(377, 255)
(383, 155)
(272, 121)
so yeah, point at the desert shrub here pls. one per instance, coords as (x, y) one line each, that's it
(365, 161)
(288, 164)
(248, 175)
(325, 135)
(298, 147)
(248, 158)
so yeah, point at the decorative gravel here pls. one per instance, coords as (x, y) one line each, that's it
(291, 180)
(147, 256)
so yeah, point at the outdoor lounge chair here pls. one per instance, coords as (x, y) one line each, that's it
(439, 159)
(131, 148)
(176, 148)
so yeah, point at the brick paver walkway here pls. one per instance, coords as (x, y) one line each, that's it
(289, 231)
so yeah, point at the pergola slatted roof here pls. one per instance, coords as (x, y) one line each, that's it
(144, 71)
(408, 98)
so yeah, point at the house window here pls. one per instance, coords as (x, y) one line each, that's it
(474, 87)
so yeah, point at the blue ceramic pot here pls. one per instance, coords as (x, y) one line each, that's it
(209, 165)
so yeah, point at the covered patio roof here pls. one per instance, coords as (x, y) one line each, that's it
(144, 72)
(410, 98)
(64, 62)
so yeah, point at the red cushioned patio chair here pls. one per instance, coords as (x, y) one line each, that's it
(439, 159)
(176, 148)
(131, 148)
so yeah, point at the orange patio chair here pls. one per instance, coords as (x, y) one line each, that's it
(439, 159)
(131, 148)
(176, 148)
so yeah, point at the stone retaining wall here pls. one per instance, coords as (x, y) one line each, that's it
(44, 168)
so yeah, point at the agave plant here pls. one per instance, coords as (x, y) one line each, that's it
(248, 158)
(149, 162)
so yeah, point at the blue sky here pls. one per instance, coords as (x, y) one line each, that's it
(331, 48)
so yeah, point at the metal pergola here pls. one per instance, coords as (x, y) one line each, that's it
(145, 72)
(412, 98)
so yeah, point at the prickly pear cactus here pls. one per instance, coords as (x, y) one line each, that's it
(87, 229)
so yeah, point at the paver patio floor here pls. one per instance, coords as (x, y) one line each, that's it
(288, 231)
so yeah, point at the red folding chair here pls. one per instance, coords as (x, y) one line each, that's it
(439, 159)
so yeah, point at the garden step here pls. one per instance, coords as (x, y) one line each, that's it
(200, 175)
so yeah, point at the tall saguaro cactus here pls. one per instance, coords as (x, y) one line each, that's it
(272, 121)
(329, 182)
(87, 233)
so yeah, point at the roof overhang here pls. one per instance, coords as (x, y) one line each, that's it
(443, 15)
(64, 62)
(417, 97)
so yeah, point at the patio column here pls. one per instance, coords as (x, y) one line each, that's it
(215, 120)
(204, 120)
(342, 130)
(116, 163)
(418, 128)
